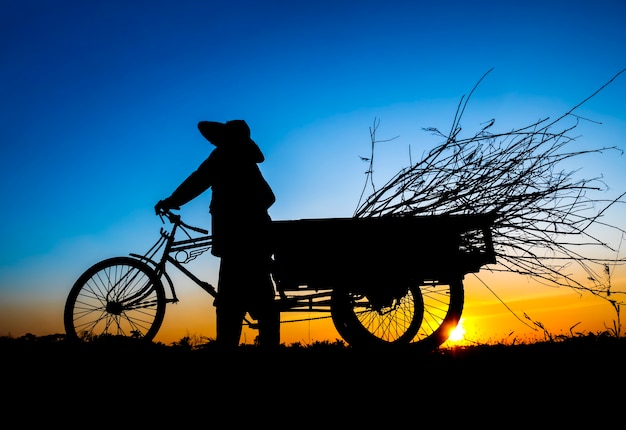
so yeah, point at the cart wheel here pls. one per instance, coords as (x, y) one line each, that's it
(443, 305)
(120, 296)
(361, 322)
(440, 306)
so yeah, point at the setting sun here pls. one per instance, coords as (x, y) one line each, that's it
(458, 333)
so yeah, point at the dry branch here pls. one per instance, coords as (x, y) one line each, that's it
(545, 215)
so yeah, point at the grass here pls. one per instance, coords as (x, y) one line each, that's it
(190, 344)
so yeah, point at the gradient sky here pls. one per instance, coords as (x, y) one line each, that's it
(99, 104)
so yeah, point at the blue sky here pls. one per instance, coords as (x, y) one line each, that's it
(99, 104)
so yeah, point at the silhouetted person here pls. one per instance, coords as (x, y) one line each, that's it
(240, 229)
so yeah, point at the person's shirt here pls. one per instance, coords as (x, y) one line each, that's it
(233, 174)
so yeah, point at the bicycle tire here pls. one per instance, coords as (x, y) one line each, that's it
(441, 308)
(363, 324)
(119, 296)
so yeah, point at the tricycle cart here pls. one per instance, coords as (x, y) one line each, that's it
(395, 280)
(386, 280)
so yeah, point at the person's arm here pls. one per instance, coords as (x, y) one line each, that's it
(195, 184)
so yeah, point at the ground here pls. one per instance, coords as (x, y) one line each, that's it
(559, 382)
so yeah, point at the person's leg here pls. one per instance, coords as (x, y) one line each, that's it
(228, 309)
(228, 324)
(245, 284)
(269, 326)
(260, 299)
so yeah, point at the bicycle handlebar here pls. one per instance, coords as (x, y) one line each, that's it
(176, 219)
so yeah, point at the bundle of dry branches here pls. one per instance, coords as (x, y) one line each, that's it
(544, 215)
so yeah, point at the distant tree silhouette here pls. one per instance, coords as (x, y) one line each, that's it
(546, 217)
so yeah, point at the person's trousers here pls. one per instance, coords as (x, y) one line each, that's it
(230, 321)
(245, 286)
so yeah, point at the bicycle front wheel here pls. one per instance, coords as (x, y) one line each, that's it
(120, 296)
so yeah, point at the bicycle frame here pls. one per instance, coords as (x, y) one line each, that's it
(184, 251)
(180, 252)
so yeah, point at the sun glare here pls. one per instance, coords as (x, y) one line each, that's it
(458, 333)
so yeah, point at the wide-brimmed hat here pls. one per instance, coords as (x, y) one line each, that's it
(218, 133)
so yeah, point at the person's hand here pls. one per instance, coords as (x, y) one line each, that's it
(164, 206)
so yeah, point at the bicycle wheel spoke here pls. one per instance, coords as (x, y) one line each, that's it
(360, 321)
(422, 317)
(121, 296)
